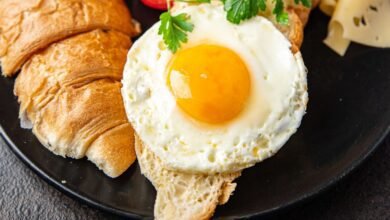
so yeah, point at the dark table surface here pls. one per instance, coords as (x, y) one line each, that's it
(364, 194)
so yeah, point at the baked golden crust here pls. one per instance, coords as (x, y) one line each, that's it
(29, 25)
(113, 151)
(298, 17)
(303, 12)
(70, 93)
(72, 62)
(293, 31)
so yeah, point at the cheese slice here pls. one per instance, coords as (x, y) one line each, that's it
(361, 21)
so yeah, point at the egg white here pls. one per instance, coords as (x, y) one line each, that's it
(274, 111)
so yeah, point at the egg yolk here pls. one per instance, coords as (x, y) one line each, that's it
(210, 83)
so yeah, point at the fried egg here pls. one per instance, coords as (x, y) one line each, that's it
(228, 98)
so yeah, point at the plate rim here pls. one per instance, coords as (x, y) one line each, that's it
(103, 207)
(62, 187)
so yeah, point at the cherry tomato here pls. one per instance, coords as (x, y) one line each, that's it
(156, 4)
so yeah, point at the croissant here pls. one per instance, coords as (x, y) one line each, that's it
(29, 25)
(71, 61)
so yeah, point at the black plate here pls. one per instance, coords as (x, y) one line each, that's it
(348, 115)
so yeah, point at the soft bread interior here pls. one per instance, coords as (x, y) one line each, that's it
(180, 195)
(29, 25)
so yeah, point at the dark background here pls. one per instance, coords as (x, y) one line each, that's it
(364, 194)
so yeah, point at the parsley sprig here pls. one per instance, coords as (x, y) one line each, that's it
(239, 10)
(281, 15)
(174, 29)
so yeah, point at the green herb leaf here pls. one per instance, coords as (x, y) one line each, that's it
(174, 29)
(281, 15)
(239, 10)
(282, 18)
(306, 3)
(263, 4)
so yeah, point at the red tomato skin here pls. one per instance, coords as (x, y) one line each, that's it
(156, 4)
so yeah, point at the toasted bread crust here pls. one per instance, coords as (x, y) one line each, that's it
(303, 12)
(29, 25)
(293, 31)
(298, 17)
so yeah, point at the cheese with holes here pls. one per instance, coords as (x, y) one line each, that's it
(365, 22)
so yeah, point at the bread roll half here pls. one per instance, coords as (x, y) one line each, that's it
(181, 195)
